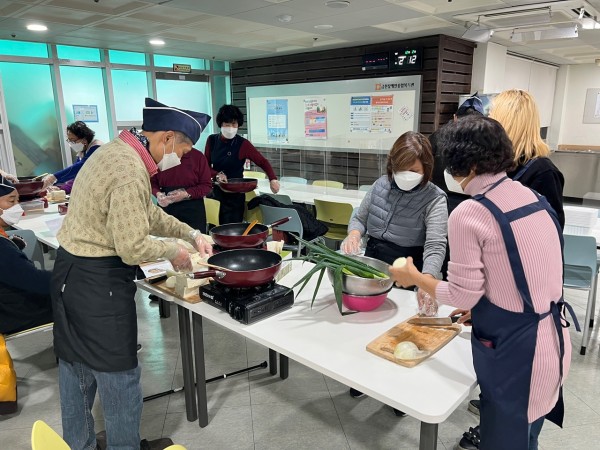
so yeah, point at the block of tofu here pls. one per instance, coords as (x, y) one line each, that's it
(57, 196)
(184, 286)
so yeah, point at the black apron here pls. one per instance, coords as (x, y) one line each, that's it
(225, 157)
(190, 211)
(504, 342)
(95, 321)
(388, 252)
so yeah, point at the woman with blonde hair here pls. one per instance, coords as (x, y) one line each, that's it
(518, 114)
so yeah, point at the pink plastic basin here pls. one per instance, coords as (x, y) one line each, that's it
(363, 302)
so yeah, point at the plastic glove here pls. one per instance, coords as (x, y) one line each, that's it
(201, 244)
(163, 199)
(48, 180)
(274, 186)
(428, 306)
(221, 177)
(178, 195)
(182, 261)
(351, 245)
(10, 177)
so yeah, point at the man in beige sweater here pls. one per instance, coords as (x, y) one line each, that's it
(106, 233)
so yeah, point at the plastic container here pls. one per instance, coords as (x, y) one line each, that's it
(363, 302)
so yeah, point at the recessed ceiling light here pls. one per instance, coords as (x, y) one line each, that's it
(37, 27)
(157, 42)
(285, 18)
(337, 3)
(325, 26)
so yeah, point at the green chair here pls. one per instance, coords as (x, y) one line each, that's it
(297, 180)
(252, 214)
(271, 214)
(213, 208)
(252, 174)
(328, 183)
(580, 271)
(336, 216)
(365, 187)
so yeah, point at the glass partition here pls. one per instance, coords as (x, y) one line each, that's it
(16, 48)
(83, 92)
(121, 57)
(31, 113)
(130, 88)
(78, 53)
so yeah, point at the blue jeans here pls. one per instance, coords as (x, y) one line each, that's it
(534, 432)
(121, 397)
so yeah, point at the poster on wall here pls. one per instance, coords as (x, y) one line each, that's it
(277, 121)
(85, 113)
(315, 118)
(382, 113)
(360, 114)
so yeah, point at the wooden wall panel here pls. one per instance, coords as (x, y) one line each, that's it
(446, 73)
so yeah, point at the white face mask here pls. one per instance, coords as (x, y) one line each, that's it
(77, 147)
(169, 161)
(12, 215)
(407, 180)
(452, 184)
(228, 132)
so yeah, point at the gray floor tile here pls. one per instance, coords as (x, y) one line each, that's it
(585, 437)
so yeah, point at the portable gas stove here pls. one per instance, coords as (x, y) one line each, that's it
(248, 305)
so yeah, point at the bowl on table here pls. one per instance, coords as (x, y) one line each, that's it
(360, 286)
(363, 302)
(238, 185)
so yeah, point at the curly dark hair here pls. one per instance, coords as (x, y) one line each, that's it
(81, 130)
(406, 150)
(475, 142)
(228, 114)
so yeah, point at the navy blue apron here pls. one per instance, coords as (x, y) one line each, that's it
(504, 342)
(225, 157)
(191, 211)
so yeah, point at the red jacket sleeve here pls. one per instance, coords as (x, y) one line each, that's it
(248, 151)
(207, 149)
(155, 184)
(202, 175)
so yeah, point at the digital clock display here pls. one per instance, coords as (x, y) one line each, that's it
(406, 59)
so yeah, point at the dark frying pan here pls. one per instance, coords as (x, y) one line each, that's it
(230, 235)
(238, 185)
(246, 267)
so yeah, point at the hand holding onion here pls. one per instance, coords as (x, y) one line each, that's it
(403, 271)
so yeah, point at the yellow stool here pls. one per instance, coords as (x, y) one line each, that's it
(45, 438)
(329, 183)
(251, 174)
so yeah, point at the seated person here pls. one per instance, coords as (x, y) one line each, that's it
(81, 140)
(24, 289)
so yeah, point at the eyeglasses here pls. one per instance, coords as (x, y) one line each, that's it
(70, 141)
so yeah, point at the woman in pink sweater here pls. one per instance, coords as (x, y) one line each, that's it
(505, 266)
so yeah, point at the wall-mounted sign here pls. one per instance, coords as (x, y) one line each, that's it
(182, 68)
(375, 61)
(407, 59)
(86, 113)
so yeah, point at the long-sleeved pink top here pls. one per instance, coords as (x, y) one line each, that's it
(479, 266)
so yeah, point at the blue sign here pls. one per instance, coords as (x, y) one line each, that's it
(277, 121)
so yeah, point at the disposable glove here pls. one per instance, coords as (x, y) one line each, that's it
(182, 261)
(201, 244)
(163, 199)
(351, 245)
(48, 180)
(178, 195)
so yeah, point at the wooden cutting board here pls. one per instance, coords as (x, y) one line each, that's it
(193, 298)
(425, 337)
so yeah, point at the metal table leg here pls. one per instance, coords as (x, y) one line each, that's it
(200, 370)
(284, 366)
(272, 362)
(164, 308)
(185, 341)
(429, 436)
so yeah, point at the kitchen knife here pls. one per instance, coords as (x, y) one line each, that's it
(432, 321)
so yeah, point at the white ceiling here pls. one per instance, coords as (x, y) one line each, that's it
(246, 29)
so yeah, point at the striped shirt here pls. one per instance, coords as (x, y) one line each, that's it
(479, 266)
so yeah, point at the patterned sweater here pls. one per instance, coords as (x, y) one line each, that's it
(111, 212)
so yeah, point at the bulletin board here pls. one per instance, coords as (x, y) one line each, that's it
(350, 114)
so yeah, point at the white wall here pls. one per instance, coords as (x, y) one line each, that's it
(569, 101)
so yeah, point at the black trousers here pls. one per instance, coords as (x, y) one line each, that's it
(232, 206)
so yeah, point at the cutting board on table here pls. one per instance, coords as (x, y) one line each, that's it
(426, 338)
(190, 298)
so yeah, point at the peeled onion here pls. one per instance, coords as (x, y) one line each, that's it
(170, 283)
(399, 262)
(408, 350)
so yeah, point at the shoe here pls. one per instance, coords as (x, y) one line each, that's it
(399, 413)
(156, 444)
(474, 406)
(356, 393)
(138, 348)
(153, 298)
(470, 440)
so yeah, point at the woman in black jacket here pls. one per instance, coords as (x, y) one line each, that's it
(24, 289)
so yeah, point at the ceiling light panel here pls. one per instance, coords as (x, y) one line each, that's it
(444, 6)
(417, 24)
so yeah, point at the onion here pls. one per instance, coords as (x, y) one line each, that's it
(399, 262)
(170, 283)
(408, 350)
